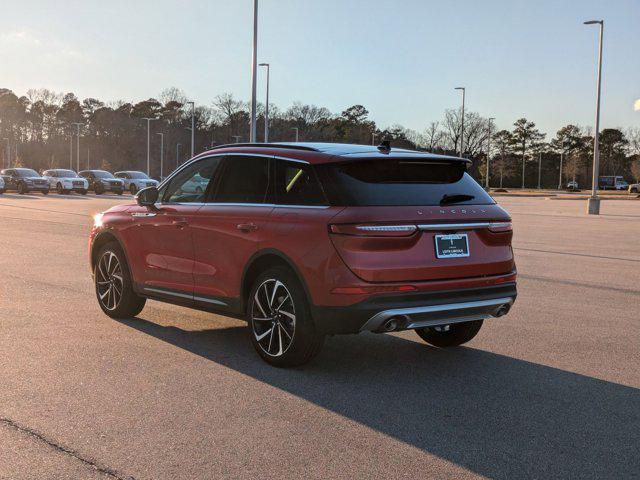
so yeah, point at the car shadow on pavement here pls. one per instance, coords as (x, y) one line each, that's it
(494, 415)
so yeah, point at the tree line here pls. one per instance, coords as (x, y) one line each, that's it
(40, 130)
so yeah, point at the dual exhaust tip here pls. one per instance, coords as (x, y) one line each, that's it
(399, 322)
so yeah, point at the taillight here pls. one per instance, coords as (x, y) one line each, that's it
(497, 227)
(368, 290)
(374, 230)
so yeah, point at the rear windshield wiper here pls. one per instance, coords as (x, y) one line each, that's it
(456, 198)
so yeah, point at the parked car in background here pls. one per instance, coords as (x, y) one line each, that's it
(101, 181)
(65, 181)
(24, 180)
(1, 185)
(134, 180)
(573, 186)
(615, 182)
(305, 240)
(634, 188)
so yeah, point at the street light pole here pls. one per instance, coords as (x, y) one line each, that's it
(593, 206)
(178, 145)
(491, 119)
(193, 128)
(6, 163)
(561, 160)
(161, 153)
(254, 68)
(266, 107)
(71, 150)
(149, 120)
(78, 146)
(373, 138)
(539, 168)
(464, 93)
(297, 133)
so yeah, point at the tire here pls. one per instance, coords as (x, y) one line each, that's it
(133, 189)
(108, 276)
(297, 340)
(634, 190)
(60, 190)
(83, 192)
(98, 189)
(45, 192)
(457, 334)
(119, 192)
(22, 189)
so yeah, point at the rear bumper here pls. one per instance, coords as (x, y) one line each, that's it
(416, 310)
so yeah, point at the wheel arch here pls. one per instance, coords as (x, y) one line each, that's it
(258, 263)
(101, 239)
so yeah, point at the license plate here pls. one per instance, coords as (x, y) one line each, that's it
(452, 246)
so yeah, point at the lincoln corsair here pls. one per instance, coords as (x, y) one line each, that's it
(101, 182)
(134, 180)
(24, 180)
(65, 181)
(305, 240)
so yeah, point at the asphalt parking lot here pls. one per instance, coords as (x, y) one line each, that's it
(550, 391)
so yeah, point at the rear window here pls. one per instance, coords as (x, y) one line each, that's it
(392, 182)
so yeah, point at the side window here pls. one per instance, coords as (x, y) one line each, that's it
(297, 184)
(244, 180)
(190, 185)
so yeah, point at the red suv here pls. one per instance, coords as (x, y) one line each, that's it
(305, 240)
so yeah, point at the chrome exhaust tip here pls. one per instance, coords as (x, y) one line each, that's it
(390, 325)
(503, 310)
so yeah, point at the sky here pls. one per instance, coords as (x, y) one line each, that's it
(400, 59)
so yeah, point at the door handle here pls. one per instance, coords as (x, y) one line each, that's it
(247, 227)
(182, 223)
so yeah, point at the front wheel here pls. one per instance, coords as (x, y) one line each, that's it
(119, 192)
(83, 192)
(60, 189)
(634, 190)
(113, 284)
(133, 189)
(98, 189)
(22, 188)
(45, 192)
(281, 328)
(450, 335)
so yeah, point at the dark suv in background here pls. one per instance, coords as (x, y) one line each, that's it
(24, 180)
(307, 240)
(101, 181)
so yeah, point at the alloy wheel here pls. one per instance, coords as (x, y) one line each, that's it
(109, 280)
(273, 317)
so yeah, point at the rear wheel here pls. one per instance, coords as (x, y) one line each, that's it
(22, 188)
(114, 288)
(45, 192)
(634, 190)
(133, 189)
(450, 335)
(83, 192)
(280, 324)
(119, 192)
(60, 189)
(98, 189)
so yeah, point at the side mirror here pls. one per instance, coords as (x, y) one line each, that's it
(147, 197)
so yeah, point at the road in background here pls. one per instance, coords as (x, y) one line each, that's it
(552, 390)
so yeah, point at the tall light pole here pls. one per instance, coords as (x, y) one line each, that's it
(70, 149)
(149, 120)
(464, 93)
(254, 73)
(593, 206)
(266, 107)
(373, 138)
(161, 153)
(88, 154)
(491, 119)
(561, 159)
(297, 133)
(539, 169)
(178, 145)
(7, 159)
(78, 145)
(193, 128)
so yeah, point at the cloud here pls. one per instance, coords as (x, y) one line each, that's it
(636, 106)
(27, 44)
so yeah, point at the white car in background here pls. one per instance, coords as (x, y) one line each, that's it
(634, 188)
(65, 181)
(196, 184)
(1, 185)
(134, 180)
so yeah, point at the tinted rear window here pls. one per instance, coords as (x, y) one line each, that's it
(393, 182)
